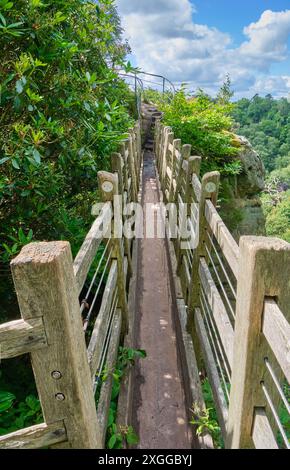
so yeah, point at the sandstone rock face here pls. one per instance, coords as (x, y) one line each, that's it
(243, 211)
(252, 179)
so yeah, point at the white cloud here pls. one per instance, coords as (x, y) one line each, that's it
(268, 37)
(166, 40)
(281, 85)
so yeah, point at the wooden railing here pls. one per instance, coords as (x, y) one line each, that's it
(234, 305)
(60, 300)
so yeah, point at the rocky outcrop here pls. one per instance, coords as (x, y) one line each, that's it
(252, 180)
(242, 210)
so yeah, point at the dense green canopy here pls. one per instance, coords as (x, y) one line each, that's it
(62, 111)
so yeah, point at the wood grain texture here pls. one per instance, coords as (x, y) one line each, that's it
(196, 185)
(176, 147)
(89, 248)
(211, 179)
(20, 337)
(264, 271)
(117, 164)
(100, 330)
(276, 330)
(132, 169)
(46, 288)
(107, 180)
(35, 437)
(212, 371)
(166, 158)
(218, 310)
(225, 240)
(192, 168)
(196, 395)
(262, 433)
(106, 390)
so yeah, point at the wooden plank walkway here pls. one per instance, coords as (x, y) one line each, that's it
(159, 409)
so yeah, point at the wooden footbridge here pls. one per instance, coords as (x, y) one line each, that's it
(211, 309)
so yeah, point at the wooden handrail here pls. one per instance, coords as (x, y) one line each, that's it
(89, 248)
(35, 437)
(276, 330)
(20, 337)
(250, 281)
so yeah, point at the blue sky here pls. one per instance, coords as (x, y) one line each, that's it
(199, 41)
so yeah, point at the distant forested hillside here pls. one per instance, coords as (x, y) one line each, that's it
(266, 123)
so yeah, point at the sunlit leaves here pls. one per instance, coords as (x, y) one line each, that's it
(34, 97)
(5, 5)
(6, 401)
(63, 111)
(205, 124)
(10, 29)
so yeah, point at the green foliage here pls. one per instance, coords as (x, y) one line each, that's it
(276, 203)
(207, 420)
(63, 110)
(203, 421)
(16, 415)
(153, 96)
(117, 436)
(121, 434)
(19, 407)
(266, 123)
(284, 418)
(225, 94)
(205, 124)
(18, 242)
(277, 214)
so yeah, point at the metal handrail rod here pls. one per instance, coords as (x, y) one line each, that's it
(159, 76)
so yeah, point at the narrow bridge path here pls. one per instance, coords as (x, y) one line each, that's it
(161, 418)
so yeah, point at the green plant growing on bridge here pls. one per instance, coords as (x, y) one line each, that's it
(204, 421)
(118, 436)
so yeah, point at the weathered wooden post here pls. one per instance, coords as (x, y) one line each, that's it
(176, 147)
(190, 165)
(156, 138)
(133, 149)
(46, 288)
(208, 191)
(161, 148)
(138, 146)
(264, 271)
(167, 156)
(163, 152)
(192, 169)
(108, 184)
(117, 164)
(123, 152)
(185, 154)
(132, 168)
